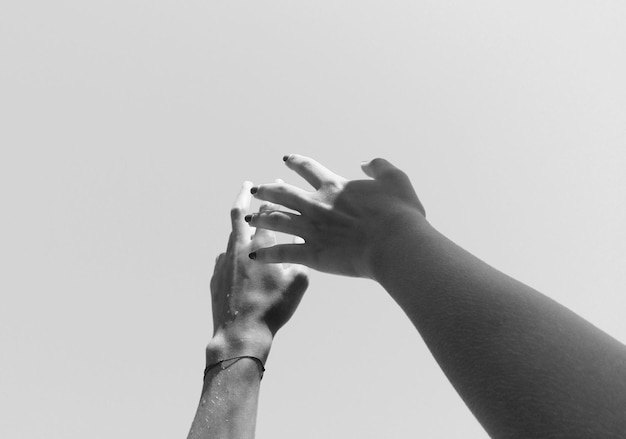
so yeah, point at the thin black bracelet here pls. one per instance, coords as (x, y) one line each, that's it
(259, 362)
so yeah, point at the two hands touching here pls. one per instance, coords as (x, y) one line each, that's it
(257, 284)
(250, 301)
(340, 228)
(344, 223)
(564, 378)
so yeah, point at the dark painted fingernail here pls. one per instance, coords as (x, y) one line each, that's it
(285, 158)
(252, 255)
(254, 190)
(247, 218)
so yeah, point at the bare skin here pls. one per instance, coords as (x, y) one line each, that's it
(526, 366)
(250, 303)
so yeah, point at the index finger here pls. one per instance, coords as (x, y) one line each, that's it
(241, 230)
(312, 171)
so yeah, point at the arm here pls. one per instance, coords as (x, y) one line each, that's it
(250, 303)
(525, 365)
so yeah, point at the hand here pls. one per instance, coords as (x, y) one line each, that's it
(251, 302)
(344, 223)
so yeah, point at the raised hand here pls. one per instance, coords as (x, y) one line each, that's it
(250, 301)
(345, 224)
(524, 364)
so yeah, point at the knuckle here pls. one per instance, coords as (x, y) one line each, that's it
(274, 216)
(280, 188)
(301, 281)
(334, 185)
(307, 165)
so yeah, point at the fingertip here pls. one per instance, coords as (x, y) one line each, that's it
(242, 202)
(301, 276)
(294, 160)
(252, 255)
(377, 167)
(245, 188)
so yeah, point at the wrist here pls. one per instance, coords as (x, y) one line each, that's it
(233, 342)
(402, 241)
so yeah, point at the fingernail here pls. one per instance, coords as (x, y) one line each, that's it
(252, 255)
(247, 218)
(285, 158)
(254, 190)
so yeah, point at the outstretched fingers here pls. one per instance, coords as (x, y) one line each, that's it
(312, 171)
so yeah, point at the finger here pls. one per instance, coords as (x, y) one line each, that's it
(284, 194)
(263, 237)
(237, 213)
(285, 253)
(300, 276)
(297, 269)
(312, 171)
(378, 168)
(278, 221)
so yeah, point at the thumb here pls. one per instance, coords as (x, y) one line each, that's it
(381, 169)
(300, 276)
(377, 168)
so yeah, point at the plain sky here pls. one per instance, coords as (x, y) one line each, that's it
(127, 128)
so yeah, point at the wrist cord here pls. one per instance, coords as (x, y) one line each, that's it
(219, 363)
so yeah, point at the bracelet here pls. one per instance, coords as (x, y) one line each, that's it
(219, 363)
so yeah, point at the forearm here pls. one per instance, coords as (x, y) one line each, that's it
(525, 365)
(229, 401)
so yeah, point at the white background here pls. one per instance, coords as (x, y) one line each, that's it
(127, 127)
